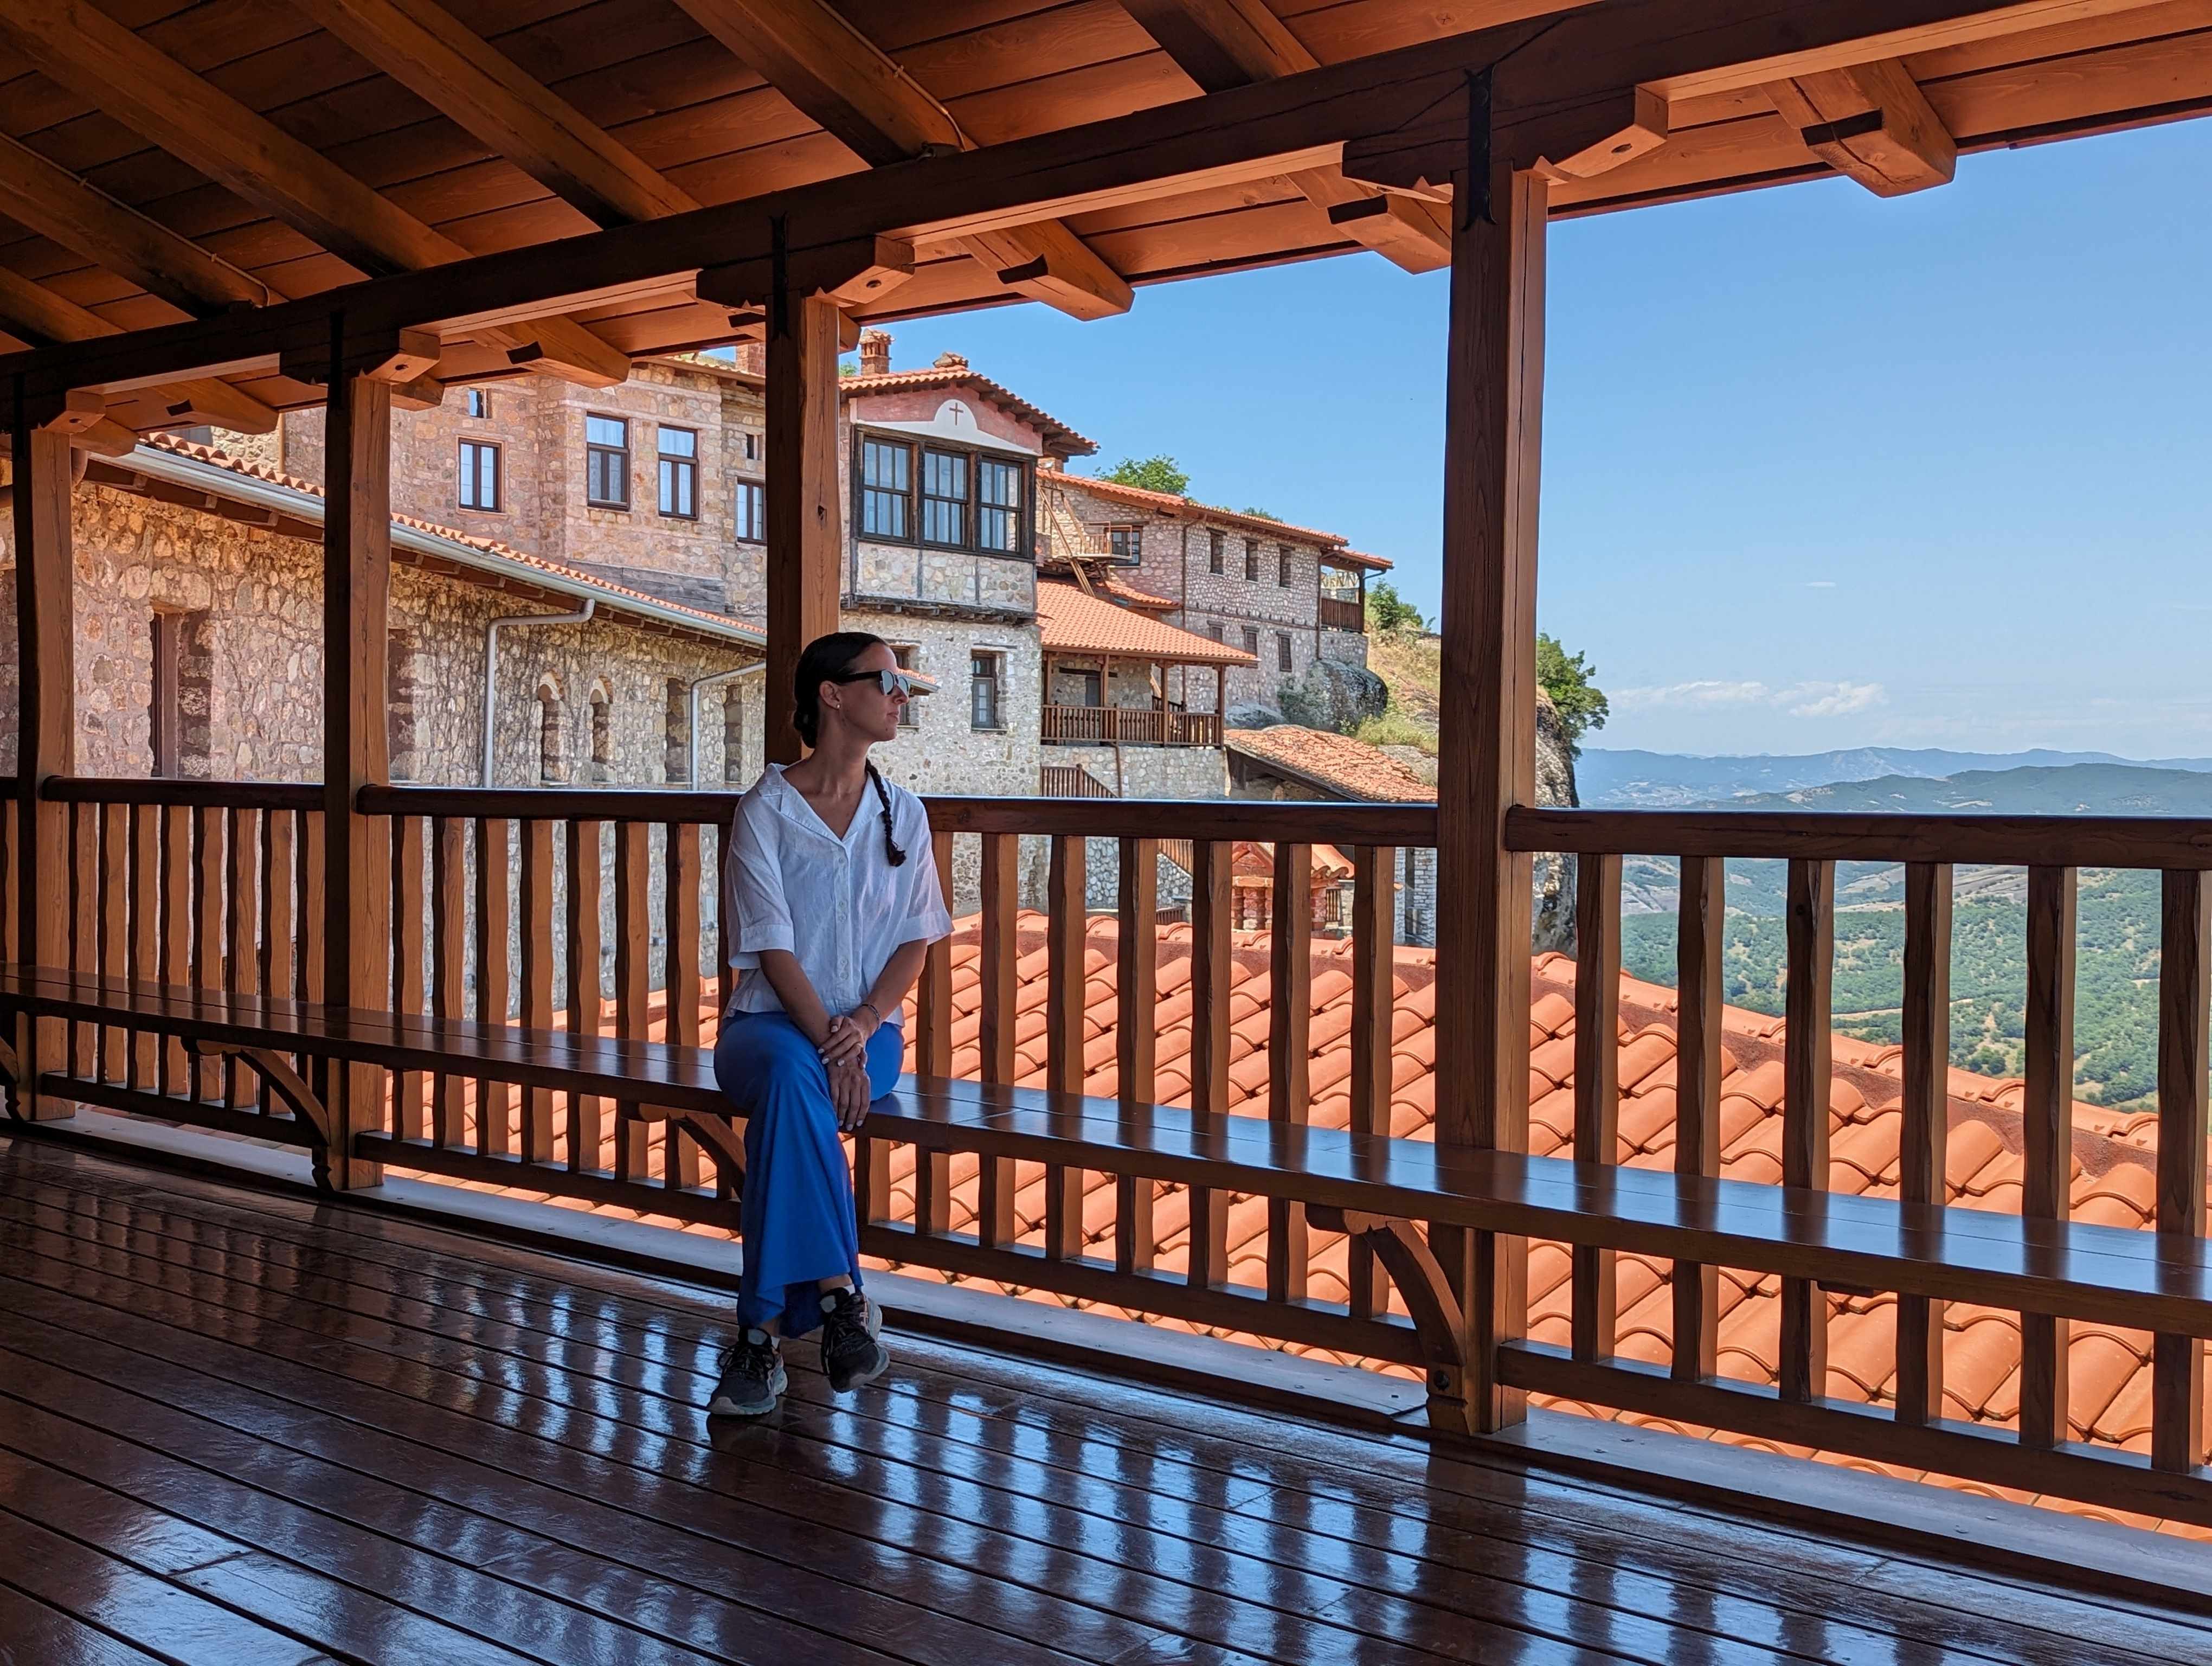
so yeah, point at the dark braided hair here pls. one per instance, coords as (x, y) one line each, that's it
(822, 658)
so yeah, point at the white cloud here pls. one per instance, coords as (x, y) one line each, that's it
(1832, 699)
(1820, 584)
(1797, 700)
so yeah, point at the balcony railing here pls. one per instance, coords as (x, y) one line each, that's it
(1342, 613)
(593, 912)
(1130, 725)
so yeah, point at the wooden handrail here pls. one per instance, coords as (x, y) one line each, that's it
(2137, 842)
(191, 794)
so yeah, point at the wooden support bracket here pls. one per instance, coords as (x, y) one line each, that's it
(856, 272)
(1404, 1254)
(722, 1142)
(302, 1101)
(401, 357)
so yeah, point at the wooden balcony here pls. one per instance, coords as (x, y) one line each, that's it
(1129, 726)
(1342, 613)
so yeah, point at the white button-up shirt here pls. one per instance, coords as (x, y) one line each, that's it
(837, 904)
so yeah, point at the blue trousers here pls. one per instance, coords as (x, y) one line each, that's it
(798, 1221)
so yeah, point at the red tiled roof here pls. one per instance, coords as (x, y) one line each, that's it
(1336, 763)
(618, 596)
(1175, 505)
(1062, 439)
(1069, 622)
(1358, 559)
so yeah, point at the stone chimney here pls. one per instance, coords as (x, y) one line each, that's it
(751, 357)
(951, 361)
(875, 352)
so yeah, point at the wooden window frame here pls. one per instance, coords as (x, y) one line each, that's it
(981, 466)
(1251, 560)
(470, 477)
(597, 448)
(916, 498)
(677, 469)
(908, 497)
(1130, 537)
(1284, 577)
(476, 404)
(1282, 653)
(964, 504)
(1252, 641)
(748, 511)
(1217, 551)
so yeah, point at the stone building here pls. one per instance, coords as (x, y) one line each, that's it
(1291, 597)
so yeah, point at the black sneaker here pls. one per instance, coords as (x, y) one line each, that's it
(851, 1355)
(753, 1378)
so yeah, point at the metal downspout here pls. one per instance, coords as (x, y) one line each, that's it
(491, 664)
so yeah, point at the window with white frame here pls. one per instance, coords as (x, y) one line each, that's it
(986, 678)
(748, 505)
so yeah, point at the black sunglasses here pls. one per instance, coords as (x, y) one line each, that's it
(889, 682)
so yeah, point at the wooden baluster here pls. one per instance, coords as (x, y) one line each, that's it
(633, 978)
(2047, 1128)
(994, 1185)
(408, 1115)
(1136, 1037)
(242, 970)
(680, 1156)
(1597, 1085)
(1066, 986)
(1701, 919)
(1290, 1052)
(1923, 1136)
(145, 964)
(207, 929)
(495, 920)
(1373, 991)
(535, 899)
(279, 861)
(311, 905)
(83, 879)
(10, 857)
(587, 1111)
(115, 925)
(176, 932)
(449, 963)
(1213, 976)
(1805, 1111)
(2184, 987)
(932, 1057)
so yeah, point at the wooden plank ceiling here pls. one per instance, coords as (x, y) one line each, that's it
(162, 158)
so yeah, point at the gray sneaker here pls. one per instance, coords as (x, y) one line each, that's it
(851, 1355)
(753, 1378)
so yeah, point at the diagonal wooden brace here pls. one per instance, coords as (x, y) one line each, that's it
(722, 1142)
(1404, 1254)
(287, 1085)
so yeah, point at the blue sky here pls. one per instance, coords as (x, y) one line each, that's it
(1819, 469)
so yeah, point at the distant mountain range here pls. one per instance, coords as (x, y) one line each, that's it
(1629, 779)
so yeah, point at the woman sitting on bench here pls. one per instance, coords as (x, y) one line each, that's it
(833, 899)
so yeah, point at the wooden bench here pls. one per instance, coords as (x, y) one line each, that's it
(1384, 1189)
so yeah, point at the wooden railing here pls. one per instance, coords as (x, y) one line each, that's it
(1130, 725)
(1071, 781)
(2040, 1454)
(1339, 613)
(593, 912)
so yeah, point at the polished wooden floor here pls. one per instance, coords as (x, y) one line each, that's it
(238, 1429)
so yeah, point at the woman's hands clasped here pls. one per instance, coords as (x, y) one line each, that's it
(844, 1054)
(849, 1094)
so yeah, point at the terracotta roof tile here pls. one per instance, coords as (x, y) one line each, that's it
(1070, 622)
(1174, 503)
(1351, 769)
(1060, 438)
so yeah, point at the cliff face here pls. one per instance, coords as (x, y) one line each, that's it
(1554, 879)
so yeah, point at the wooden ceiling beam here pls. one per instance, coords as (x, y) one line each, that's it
(81, 217)
(837, 77)
(1871, 123)
(1221, 44)
(85, 50)
(423, 47)
(39, 315)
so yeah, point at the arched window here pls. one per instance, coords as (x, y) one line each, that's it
(733, 733)
(552, 743)
(603, 732)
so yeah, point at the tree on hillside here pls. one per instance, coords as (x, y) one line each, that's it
(1262, 514)
(1386, 611)
(1156, 473)
(1567, 677)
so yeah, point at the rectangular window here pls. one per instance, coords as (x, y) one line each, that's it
(983, 677)
(1217, 542)
(1252, 640)
(479, 484)
(606, 462)
(1283, 566)
(887, 489)
(910, 712)
(750, 503)
(944, 498)
(1252, 560)
(752, 447)
(479, 402)
(1124, 544)
(679, 473)
(1282, 651)
(998, 506)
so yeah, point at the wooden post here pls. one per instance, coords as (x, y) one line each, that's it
(357, 849)
(46, 656)
(805, 502)
(2047, 1138)
(2184, 1038)
(1487, 745)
